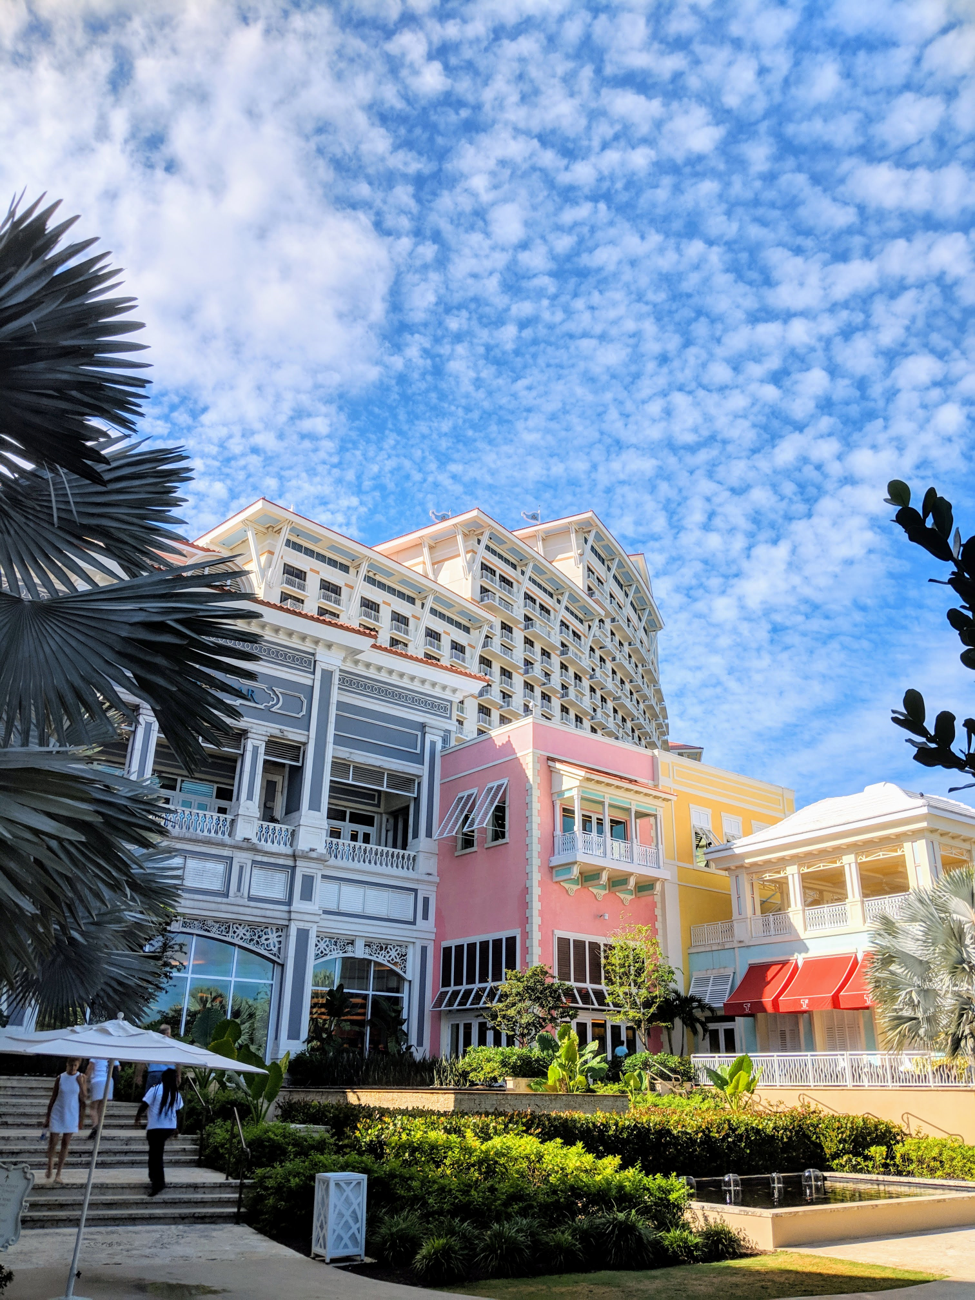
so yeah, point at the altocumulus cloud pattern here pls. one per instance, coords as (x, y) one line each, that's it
(706, 268)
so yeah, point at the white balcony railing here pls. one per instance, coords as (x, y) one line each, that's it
(296, 584)
(369, 855)
(713, 932)
(848, 1070)
(888, 905)
(771, 923)
(274, 834)
(184, 821)
(832, 916)
(594, 846)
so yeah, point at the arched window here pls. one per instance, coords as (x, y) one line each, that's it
(375, 1009)
(212, 981)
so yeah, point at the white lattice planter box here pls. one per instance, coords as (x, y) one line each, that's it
(339, 1226)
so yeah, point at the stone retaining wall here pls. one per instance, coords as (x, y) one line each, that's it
(471, 1101)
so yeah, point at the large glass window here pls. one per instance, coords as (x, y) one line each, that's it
(374, 1009)
(212, 981)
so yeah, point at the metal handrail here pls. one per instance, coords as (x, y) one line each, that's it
(245, 1157)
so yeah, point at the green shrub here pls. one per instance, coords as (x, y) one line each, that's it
(506, 1248)
(920, 1157)
(347, 1069)
(619, 1239)
(269, 1144)
(717, 1241)
(495, 1064)
(283, 1196)
(681, 1246)
(560, 1250)
(396, 1238)
(445, 1254)
(661, 1065)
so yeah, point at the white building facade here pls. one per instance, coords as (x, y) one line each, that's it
(306, 848)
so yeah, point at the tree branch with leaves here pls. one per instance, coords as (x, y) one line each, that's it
(935, 747)
(637, 977)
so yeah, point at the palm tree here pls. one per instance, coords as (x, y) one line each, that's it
(97, 614)
(684, 1009)
(922, 975)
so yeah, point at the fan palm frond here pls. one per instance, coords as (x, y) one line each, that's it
(62, 347)
(922, 974)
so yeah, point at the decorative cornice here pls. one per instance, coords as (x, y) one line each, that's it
(381, 691)
(265, 939)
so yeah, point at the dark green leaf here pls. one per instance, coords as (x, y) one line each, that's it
(898, 493)
(914, 706)
(944, 729)
(930, 497)
(941, 517)
(62, 368)
(968, 658)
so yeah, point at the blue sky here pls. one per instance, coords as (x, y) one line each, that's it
(705, 268)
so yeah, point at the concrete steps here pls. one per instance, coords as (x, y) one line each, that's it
(115, 1204)
(193, 1195)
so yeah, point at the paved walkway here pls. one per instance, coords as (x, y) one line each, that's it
(181, 1263)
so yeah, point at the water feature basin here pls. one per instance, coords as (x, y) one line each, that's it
(851, 1206)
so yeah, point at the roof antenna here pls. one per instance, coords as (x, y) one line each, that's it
(532, 516)
(438, 516)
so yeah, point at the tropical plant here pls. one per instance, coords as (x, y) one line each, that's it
(637, 977)
(571, 1070)
(388, 1026)
(331, 1012)
(935, 747)
(922, 973)
(736, 1083)
(97, 616)
(686, 1010)
(258, 1091)
(528, 1002)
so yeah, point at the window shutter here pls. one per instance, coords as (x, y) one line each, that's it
(455, 815)
(487, 803)
(712, 987)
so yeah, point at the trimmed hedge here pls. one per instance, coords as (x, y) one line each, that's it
(916, 1157)
(698, 1141)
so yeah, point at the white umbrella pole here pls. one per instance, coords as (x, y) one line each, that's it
(69, 1288)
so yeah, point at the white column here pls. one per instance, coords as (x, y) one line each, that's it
(142, 745)
(313, 814)
(248, 791)
(605, 826)
(577, 810)
(633, 830)
(853, 890)
(926, 859)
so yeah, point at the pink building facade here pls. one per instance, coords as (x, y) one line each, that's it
(550, 839)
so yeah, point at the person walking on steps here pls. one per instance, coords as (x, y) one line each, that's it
(153, 1070)
(161, 1104)
(65, 1115)
(101, 1089)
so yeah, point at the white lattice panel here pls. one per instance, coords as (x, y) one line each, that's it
(339, 1224)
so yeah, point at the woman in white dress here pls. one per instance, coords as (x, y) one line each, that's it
(101, 1088)
(65, 1115)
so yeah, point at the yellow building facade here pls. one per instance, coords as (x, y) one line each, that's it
(709, 806)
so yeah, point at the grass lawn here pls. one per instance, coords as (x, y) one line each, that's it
(760, 1277)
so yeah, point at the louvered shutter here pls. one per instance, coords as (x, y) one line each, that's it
(455, 815)
(487, 803)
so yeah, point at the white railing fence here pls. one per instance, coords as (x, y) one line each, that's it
(831, 916)
(848, 1070)
(184, 821)
(274, 833)
(713, 932)
(771, 923)
(889, 905)
(594, 846)
(369, 855)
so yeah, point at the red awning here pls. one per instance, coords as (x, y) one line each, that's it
(855, 995)
(760, 987)
(817, 983)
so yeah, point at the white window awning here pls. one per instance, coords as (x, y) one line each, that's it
(456, 813)
(489, 800)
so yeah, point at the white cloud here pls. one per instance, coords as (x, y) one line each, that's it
(708, 271)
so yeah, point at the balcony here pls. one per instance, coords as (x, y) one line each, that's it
(490, 694)
(832, 916)
(569, 695)
(432, 641)
(712, 934)
(887, 905)
(490, 648)
(275, 835)
(369, 855)
(183, 821)
(588, 847)
(486, 597)
(914, 1069)
(458, 657)
(296, 584)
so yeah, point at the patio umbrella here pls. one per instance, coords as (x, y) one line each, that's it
(113, 1041)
